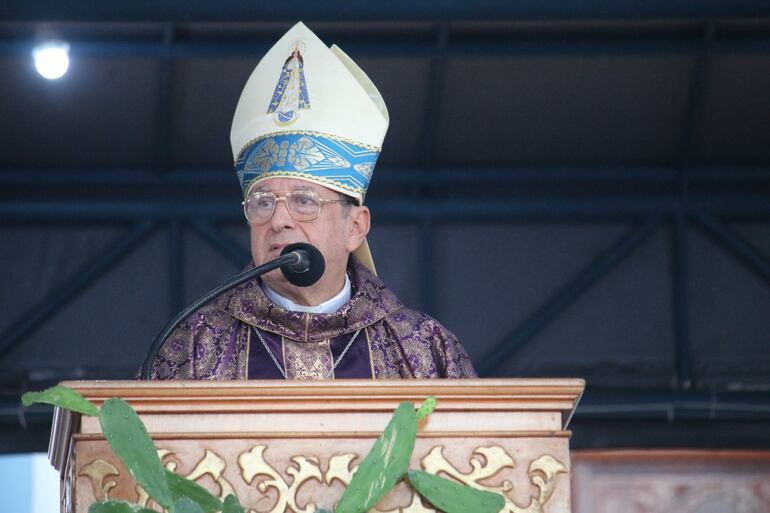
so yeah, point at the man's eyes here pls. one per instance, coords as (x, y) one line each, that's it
(305, 200)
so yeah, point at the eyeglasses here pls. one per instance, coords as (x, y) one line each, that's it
(303, 205)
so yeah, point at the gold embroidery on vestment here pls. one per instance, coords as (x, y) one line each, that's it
(307, 360)
(371, 353)
(248, 351)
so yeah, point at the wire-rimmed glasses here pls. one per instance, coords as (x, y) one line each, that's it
(303, 205)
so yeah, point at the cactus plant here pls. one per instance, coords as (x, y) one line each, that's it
(451, 497)
(428, 405)
(383, 467)
(118, 507)
(128, 438)
(181, 487)
(185, 505)
(62, 397)
(386, 463)
(231, 505)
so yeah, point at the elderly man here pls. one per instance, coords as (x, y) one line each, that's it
(306, 135)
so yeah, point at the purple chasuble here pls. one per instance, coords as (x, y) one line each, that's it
(219, 340)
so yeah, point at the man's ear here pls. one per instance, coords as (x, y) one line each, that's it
(359, 222)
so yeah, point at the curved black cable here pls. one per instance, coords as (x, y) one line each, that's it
(289, 258)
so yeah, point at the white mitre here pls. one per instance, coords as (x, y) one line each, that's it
(309, 112)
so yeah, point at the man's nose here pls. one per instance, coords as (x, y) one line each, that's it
(281, 216)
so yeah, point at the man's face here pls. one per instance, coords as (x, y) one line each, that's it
(330, 232)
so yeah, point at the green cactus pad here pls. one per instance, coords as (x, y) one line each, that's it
(130, 442)
(62, 397)
(232, 505)
(185, 506)
(181, 487)
(118, 507)
(451, 497)
(427, 407)
(386, 463)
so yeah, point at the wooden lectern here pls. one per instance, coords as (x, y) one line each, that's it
(292, 446)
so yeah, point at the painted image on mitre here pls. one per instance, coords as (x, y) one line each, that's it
(290, 95)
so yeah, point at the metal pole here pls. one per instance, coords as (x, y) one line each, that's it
(176, 266)
(679, 272)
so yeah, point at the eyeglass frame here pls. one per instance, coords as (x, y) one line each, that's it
(321, 201)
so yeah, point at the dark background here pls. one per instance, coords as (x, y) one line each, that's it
(575, 189)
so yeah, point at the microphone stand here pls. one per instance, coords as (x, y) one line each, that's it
(289, 258)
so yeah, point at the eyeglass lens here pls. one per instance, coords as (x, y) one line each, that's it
(302, 205)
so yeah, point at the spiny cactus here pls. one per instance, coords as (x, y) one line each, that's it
(428, 405)
(118, 507)
(451, 497)
(185, 505)
(62, 397)
(181, 487)
(385, 464)
(128, 438)
(232, 506)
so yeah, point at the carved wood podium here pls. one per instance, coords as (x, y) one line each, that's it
(292, 446)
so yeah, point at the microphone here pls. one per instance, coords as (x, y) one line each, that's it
(308, 268)
(301, 264)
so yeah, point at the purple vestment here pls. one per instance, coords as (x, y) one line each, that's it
(220, 340)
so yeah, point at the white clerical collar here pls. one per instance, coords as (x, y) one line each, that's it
(327, 307)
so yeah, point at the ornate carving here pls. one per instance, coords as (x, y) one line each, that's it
(340, 469)
(211, 464)
(486, 463)
(97, 472)
(252, 464)
(542, 474)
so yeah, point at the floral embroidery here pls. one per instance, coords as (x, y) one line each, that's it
(303, 154)
(268, 154)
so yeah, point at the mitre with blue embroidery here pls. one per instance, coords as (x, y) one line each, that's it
(308, 112)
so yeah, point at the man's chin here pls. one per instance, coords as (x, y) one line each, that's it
(275, 278)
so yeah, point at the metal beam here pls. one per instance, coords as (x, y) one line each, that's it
(176, 266)
(751, 257)
(395, 46)
(697, 95)
(340, 10)
(164, 105)
(551, 208)
(427, 260)
(679, 278)
(222, 243)
(80, 280)
(673, 405)
(434, 96)
(566, 296)
(389, 175)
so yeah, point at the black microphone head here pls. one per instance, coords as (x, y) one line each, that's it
(308, 274)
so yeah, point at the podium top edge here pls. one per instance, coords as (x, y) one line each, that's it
(488, 387)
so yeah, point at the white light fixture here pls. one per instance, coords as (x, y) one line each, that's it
(52, 59)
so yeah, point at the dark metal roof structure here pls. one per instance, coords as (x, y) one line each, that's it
(608, 163)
